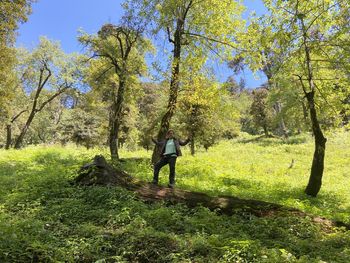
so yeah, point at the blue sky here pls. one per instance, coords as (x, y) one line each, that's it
(61, 19)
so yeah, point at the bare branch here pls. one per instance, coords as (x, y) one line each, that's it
(59, 92)
(14, 118)
(169, 36)
(120, 44)
(104, 72)
(302, 83)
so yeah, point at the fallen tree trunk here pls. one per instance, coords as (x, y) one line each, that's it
(99, 172)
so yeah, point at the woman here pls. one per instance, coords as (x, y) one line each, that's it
(170, 150)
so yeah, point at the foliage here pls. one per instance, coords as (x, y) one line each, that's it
(300, 46)
(12, 13)
(223, 22)
(260, 110)
(150, 106)
(206, 113)
(82, 127)
(120, 52)
(44, 73)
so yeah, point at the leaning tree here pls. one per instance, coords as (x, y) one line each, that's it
(306, 42)
(44, 74)
(197, 27)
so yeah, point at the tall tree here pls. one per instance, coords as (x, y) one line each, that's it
(191, 26)
(46, 68)
(11, 13)
(260, 110)
(121, 49)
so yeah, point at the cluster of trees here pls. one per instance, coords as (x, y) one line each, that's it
(102, 97)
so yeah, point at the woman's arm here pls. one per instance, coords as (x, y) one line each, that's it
(155, 141)
(183, 143)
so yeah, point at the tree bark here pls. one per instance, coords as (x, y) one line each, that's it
(315, 180)
(115, 121)
(9, 129)
(193, 151)
(174, 88)
(8, 136)
(281, 124)
(266, 131)
(19, 140)
(305, 114)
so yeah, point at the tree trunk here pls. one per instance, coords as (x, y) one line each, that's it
(174, 87)
(266, 132)
(283, 128)
(19, 140)
(9, 129)
(305, 114)
(192, 146)
(8, 136)
(281, 124)
(315, 180)
(113, 136)
(115, 121)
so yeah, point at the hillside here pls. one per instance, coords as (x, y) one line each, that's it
(47, 218)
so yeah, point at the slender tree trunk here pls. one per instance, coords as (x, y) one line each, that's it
(35, 109)
(174, 87)
(192, 146)
(266, 132)
(113, 134)
(19, 140)
(9, 129)
(305, 114)
(283, 128)
(315, 180)
(8, 136)
(115, 121)
(281, 124)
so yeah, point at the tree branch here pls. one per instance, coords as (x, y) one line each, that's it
(302, 83)
(59, 92)
(169, 35)
(209, 39)
(14, 118)
(103, 73)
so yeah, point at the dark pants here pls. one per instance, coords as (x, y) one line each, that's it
(171, 160)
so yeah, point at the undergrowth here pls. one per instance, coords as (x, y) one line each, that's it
(44, 217)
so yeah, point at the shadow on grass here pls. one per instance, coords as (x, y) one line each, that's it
(240, 183)
(134, 166)
(135, 160)
(326, 204)
(265, 141)
(54, 158)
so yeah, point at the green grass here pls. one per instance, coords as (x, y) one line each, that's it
(254, 168)
(46, 218)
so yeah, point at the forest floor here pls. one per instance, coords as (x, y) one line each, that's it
(44, 217)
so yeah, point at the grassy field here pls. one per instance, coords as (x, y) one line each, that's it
(46, 218)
